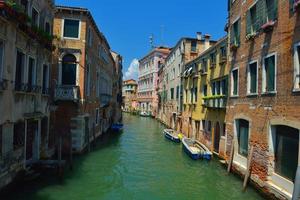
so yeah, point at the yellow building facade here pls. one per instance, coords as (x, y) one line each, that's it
(205, 96)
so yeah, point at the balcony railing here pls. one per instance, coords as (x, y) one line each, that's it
(66, 93)
(215, 102)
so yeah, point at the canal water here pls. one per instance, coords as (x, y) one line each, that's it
(137, 164)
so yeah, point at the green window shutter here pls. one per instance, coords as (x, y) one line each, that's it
(271, 84)
(253, 78)
(238, 31)
(232, 34)
(235, 82)
(275, 9)
(262, 12)
(248, 25)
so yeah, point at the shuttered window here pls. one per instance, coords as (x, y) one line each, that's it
(252, 20)
(235, 82)
(286, 151)
(1, 59)
(177, 92)
(243, 136)
(235, 33)
(297, 66)
(172, 93)
(252, 78)
(269, 10)
(71, 28)
(269, 74)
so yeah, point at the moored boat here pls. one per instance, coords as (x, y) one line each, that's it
(172, 135)
(145, 114)
(117, 127)
(195, 149)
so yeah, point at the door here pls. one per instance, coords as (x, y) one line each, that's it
(32, 140)
(217, 138)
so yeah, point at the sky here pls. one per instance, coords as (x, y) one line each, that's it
(128, 24)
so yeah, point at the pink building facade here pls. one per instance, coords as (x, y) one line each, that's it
(148, 79)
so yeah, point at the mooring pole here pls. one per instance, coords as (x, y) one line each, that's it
(296, 193)
(231, 156)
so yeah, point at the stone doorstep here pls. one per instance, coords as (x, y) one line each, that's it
(278, 191)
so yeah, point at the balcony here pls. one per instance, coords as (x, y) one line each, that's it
(215, 102)
(66, 93)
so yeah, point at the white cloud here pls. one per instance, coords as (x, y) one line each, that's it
(132, 71)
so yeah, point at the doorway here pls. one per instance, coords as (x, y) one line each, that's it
(217, 137)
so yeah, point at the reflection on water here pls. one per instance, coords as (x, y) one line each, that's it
(137, 164)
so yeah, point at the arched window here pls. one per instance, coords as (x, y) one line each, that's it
(69, 70)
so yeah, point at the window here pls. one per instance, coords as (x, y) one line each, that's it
(47, 28)
(1, 127)
(34, 17)
(204, 90)
(242, 128)
(213, 88)
(97, 117)
(224, 86)
(195, 94)
(20, 71)
(71, 28)
(88, 80)
(223, 52)
(19, 135)
(209, 126)
(177, 92)
(252, 21)
(186, 96)
(172, 93)
(203, 125)
(235, 33)
(269, 74)
(252, 78)
(69, 70)
(24, 5)
(31, 82)
(194, 46)
(270, 8)
(45, 86)
(90, 37)
(296, 66)
(234, 82)
(286, 151)
(1, 59)
(204, 66)
(213, 59)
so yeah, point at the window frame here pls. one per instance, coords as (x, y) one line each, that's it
(34, 75)
(38, 16)
(47, 82)
(63, 30)
(249, 93)
(232, 82)
(23, 72)
(237, 134)
(2, 60)
(296, 65)
(264, 77)
(97, 117)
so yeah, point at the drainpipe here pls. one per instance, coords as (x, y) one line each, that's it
(296, 193)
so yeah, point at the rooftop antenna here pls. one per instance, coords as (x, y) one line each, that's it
(151, 39)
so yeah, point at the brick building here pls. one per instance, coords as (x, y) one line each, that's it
(263, 109)
(83, 78)
(25, 62)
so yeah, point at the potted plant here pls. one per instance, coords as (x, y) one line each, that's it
(250, 36)
(268, 26)
(234, 46)
(297, 5)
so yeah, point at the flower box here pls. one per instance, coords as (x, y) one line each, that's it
(234, 47)
(297, 5)
(251, 36)
(267, 27)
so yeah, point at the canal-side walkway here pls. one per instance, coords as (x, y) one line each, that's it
(137, 164)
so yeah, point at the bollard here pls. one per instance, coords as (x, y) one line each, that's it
(296, 193)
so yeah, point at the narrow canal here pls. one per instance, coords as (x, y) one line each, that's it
(137, 164)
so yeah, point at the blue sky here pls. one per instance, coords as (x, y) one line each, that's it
(127, 24)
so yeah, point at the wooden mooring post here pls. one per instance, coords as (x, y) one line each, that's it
(231, 156)
(296, 193)
(248, 172)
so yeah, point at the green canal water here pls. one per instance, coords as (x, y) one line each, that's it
(137, 164)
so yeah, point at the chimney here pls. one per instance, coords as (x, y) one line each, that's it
(199, 35)
(207, 41)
